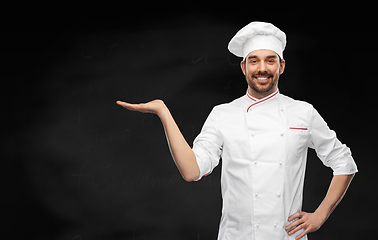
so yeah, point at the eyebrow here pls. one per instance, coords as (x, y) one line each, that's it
(269, 56)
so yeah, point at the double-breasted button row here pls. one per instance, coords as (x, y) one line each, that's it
(278, 194)
(255, 162)
(253, 134)
(274, 225)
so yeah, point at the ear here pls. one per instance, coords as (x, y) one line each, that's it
(282, 66)
(242, 65)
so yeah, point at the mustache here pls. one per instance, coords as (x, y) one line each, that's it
(264, 73)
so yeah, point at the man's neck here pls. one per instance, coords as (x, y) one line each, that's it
(259, 95)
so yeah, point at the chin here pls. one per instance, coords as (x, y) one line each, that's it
(262, 88)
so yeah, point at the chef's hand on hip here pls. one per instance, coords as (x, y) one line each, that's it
(155, 106)
(310, 222)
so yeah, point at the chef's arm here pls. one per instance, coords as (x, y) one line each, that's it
(336, 192)
(181, 152)
(313, 221)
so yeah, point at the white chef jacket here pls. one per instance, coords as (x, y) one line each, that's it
(263, 145)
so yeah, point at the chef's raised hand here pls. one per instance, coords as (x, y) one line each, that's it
(155, 106)
(309, 222)
(181, 152)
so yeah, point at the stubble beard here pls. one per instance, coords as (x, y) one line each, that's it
(262, 88)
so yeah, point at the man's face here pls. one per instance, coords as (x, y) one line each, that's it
(262, 69)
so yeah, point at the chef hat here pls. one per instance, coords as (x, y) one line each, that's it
(255, 36)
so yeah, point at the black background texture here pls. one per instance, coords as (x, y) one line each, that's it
(79, 167)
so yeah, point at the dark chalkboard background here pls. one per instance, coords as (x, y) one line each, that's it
(78, 167)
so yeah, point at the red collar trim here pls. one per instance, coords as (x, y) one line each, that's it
(252, 98)
(261, 100)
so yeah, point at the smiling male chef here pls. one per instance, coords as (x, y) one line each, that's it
(262, 138)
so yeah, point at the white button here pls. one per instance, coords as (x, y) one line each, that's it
(282, 134)
(255, 162)
(275, 225)
(252, 135)
(257, 225)
(256, 194)
(280, 163)
(278, 195)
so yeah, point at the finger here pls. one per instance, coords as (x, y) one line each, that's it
(299, 227)
(293, 224)
(123, 104)
(295, 215)
(302, 234)
(129, 106)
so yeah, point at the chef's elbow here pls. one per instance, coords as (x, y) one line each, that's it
(190, 177)
(190, 172)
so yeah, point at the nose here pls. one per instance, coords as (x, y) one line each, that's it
(262, 67)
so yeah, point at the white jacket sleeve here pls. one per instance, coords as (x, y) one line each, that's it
(329, 149)
(207, 146)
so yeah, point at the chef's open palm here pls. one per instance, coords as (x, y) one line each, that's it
(151, 107)
(181, 152)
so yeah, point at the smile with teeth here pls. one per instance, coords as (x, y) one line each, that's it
(263, 79)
